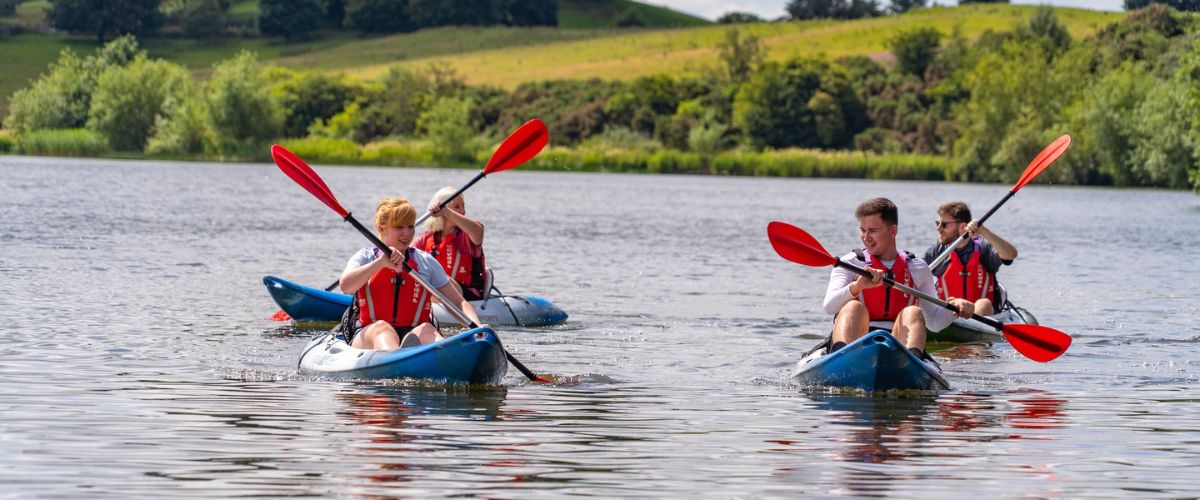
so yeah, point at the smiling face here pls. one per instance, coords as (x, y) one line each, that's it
(878, 237)
(398, 236)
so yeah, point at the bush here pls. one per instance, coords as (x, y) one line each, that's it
(63, 142)
(448, 125)
(62, 97)
(8, 142)
(244, 117)
(129, 99)
(185, 126)
(306, 98)
(324, 149)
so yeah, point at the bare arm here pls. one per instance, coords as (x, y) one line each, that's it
(472, 227)
(450, 290)
(1004, 249)
(355, 276)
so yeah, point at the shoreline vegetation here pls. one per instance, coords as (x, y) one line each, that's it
(936, 106)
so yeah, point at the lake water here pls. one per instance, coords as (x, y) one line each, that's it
(139, 360)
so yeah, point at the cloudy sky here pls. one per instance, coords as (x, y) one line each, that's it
(771, 9)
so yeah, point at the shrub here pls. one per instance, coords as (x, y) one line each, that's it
(324, 149)
(447, 124)
(8, 142)
(244, 117)
(129, 99)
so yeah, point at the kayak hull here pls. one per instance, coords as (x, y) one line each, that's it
(472, 357)
(970, 331)
(308, 304)
(875, 362)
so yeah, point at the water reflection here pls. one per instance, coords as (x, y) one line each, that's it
(398, 430)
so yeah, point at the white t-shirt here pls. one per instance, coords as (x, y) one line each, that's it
(428, 268)
(838, 293)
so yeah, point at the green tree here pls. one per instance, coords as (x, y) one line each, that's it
(631, 18)
(306, 97)
(801, 103)
(916, 49)
(902, 6)
(447, 123)
(379, 16)
(736, 17)
(530, 12)
(1182, 5)
(106, 17)
(198, 18)
(61, 98)
(184, 127)
(291, 19)
(741, 55)
(244, 117)
(1044, 25)
(128, 100)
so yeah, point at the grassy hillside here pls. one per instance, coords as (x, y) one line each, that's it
(592, 14)
(627, 54)
(508, 56)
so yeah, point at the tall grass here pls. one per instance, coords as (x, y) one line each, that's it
(63, 142)
(8, 143)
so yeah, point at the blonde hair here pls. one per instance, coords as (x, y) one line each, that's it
(394, 212)
(435, 224)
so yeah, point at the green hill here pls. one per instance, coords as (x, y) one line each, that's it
(590, 14)
(507, 56)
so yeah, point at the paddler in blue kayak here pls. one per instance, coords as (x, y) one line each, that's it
(970, 272)
(391, 305)
(860, 304)
(457, 242)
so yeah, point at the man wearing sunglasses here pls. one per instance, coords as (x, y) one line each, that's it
(970, 272)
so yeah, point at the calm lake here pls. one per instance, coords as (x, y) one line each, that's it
(139, 359)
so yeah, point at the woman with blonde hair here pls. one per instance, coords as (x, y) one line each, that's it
(392, 305)
(456, 241)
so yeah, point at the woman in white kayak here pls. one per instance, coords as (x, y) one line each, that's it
(456, 241)
(391, 304)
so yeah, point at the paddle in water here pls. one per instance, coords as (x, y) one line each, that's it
(1036, 342)
(519, 147)
(1039, 163)
(302, 174)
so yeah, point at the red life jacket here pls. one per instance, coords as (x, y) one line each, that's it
(884, 303)
(970, 281)
(388, 296)
(455, 253)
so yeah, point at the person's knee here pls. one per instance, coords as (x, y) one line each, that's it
(853, 310)
(913, 316)
(984, 307)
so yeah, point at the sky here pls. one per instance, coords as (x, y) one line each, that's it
(771, 9)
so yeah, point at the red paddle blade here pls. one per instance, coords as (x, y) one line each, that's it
(793, 244)
(280, 316)
(304, 175)
(521, 145)
(1043, 160)
(1037, 342)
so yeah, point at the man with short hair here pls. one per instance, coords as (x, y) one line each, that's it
(860, 304)
(970, 272)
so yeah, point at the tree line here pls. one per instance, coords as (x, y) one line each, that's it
(1129, 95)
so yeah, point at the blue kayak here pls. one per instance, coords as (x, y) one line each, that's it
(473, 357)
(875, 362)
(305, 303)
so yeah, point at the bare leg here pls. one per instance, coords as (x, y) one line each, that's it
(427, 333)
(378, 335)
(984, 307)
(910, 328)
(852, 322)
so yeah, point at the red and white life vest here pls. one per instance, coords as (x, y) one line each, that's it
(454, 252)
(884, 303)
(967, 281)
(391, 296)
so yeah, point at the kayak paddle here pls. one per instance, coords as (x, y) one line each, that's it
(1039, 163)
(1036, 342)
(299, 171)
(524, 143)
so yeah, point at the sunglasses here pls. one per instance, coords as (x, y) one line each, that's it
(941, 223)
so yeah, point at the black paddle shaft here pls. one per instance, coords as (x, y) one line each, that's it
(912, 291)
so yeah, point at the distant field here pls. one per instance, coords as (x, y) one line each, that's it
(626, 54)
(506, 56)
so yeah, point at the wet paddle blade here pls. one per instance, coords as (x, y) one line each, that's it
(298, 171)
(1043, 160)
(796, 245)
(521, 145)
(1037, 342)
(280, 316)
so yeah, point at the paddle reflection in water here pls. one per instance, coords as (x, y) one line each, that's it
(393, 440)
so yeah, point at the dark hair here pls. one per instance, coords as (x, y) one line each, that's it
(882, 207)
(957, 210)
